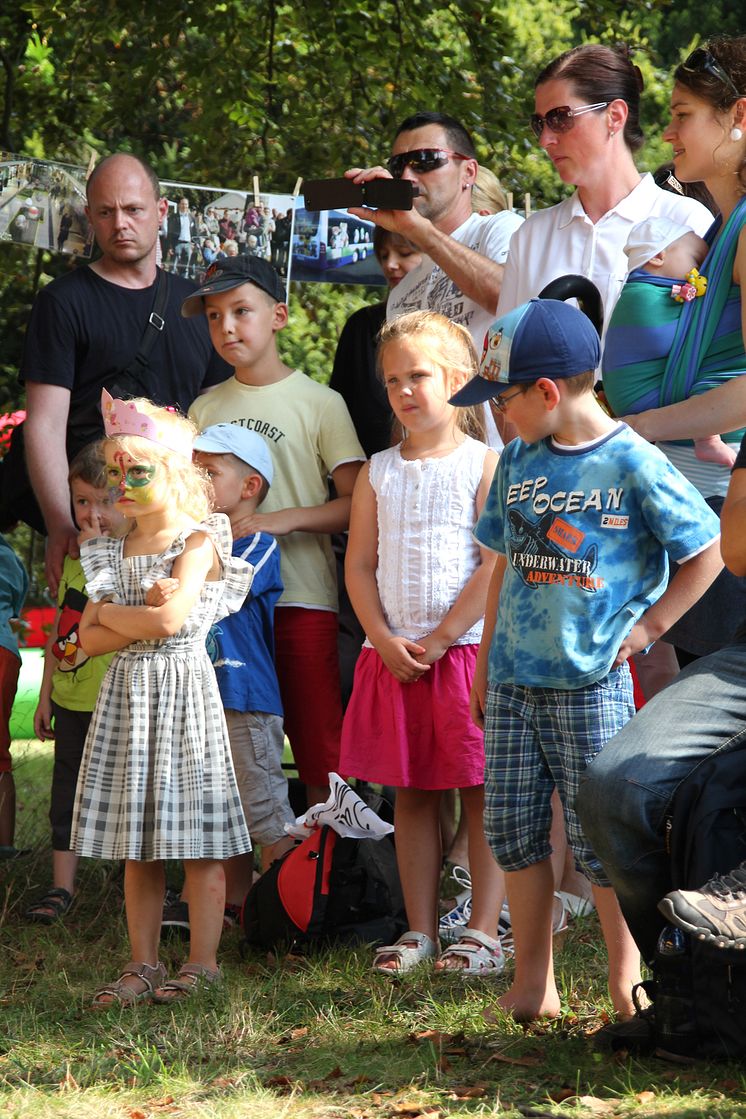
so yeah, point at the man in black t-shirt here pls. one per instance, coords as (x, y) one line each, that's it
(86, 328)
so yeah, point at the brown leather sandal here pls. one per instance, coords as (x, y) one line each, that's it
(123, 993)
(191, 978)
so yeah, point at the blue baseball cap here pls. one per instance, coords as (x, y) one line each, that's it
(232, 439)
(541, 338)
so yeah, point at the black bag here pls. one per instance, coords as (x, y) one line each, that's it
(699, 990)
(327, 890)
(17, 498)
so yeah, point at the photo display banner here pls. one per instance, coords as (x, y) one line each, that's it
(42, 204)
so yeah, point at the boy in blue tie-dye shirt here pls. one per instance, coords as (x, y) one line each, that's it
(584, 515)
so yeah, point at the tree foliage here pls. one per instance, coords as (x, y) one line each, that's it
(215, 92)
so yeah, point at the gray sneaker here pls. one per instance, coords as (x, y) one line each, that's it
(716, 912)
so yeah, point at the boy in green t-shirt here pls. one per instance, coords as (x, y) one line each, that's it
(71, 680)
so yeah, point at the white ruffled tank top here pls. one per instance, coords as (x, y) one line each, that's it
(426, 550)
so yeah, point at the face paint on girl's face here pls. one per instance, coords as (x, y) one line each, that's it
(131, 481)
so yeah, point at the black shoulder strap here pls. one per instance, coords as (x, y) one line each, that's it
(154, 327)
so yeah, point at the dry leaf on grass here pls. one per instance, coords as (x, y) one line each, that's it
(323, 1082)
(437, 1037)
(595, 1104)
(165, 1103)
(68, 1082)
(562, 1094)
(278, 1083)
(473, 1092)
(505, 1058)
(417, 1111)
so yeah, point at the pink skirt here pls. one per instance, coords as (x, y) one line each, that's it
(413, 736)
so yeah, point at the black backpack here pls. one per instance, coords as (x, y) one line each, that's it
(327, 890)
(699, 990)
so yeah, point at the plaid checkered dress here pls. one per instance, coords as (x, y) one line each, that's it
(156, 779)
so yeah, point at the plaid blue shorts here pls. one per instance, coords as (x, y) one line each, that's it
(536, 739)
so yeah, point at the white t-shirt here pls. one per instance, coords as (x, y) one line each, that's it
(428, 288)
(563, 240)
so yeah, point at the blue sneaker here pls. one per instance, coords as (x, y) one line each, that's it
(453, 923)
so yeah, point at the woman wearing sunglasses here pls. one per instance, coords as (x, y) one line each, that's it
(587, 120)
(703, 390)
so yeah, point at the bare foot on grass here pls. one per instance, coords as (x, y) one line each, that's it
(527, 1005)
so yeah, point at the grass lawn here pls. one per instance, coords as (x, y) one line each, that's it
(317, 1039)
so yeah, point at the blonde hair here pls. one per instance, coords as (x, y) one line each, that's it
(487, 195)
(448, 346)
(190, 489)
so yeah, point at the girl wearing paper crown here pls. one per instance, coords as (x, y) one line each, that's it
(156, 780)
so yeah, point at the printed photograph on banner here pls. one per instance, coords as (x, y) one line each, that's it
(204, 224)
(42, 205)
(332, 247)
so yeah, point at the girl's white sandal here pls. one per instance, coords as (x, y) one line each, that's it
(410, 950)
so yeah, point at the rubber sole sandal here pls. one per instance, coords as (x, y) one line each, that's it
(410, 950)
(476, 953)
(50, 908)
(122, 993)
(190, 979)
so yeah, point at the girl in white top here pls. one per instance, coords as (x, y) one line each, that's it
(418, 580)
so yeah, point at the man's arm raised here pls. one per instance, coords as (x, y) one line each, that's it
(475, 275)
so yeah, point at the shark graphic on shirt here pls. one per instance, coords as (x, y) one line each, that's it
(543, 552)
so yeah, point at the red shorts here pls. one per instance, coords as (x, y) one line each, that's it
(308, 672)
(10, 666)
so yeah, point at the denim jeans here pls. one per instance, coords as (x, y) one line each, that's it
(625, 794)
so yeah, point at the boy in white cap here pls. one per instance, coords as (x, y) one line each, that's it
(664, 260)
(583, 514)
(241, 647)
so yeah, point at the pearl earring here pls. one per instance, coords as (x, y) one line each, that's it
(736, 134)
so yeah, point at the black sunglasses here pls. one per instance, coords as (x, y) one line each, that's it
(422, 160)
(701, 61)
(562, 118)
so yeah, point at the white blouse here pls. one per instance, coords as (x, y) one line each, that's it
(426, 550)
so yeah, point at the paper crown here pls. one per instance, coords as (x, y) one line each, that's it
(121, 417)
